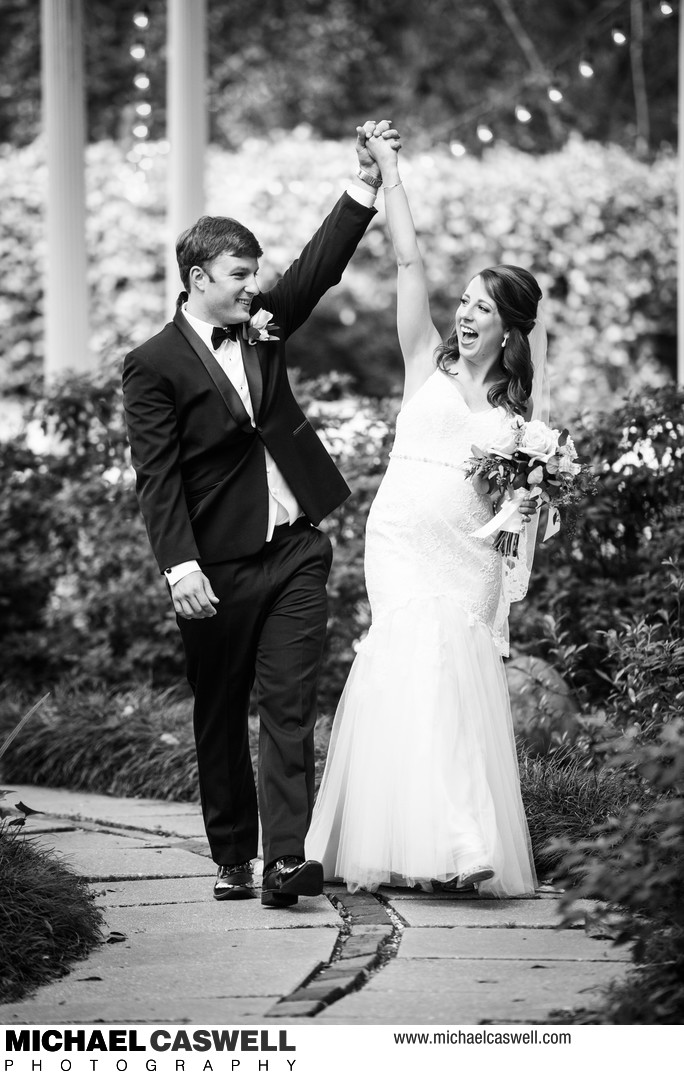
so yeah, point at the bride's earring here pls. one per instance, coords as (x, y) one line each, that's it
(503, 342)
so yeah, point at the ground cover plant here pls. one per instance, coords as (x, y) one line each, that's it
(127, 743)
(47, 916)
(565, 801)
(131, 743)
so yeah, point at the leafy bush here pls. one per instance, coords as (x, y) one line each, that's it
(634, 864)
(598, 228)
(633, 859)
(613, 563)
(78, 578)
(47, 915)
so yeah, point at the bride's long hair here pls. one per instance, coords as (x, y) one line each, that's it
(516, 294)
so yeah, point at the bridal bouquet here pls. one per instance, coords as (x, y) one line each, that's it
(534, 461)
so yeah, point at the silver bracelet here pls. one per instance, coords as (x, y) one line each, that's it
(368, 177)
(392, 185)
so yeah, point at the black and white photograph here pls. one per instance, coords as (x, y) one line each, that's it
(341, 535)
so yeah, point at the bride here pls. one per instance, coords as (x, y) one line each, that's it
(421, 785)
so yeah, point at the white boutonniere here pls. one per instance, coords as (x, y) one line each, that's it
(257, 327)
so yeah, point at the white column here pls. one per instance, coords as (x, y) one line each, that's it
(66, 292)
(186, 124)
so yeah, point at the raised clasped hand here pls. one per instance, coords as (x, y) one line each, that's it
(369, 139)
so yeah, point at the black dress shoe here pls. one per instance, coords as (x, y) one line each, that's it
(290, 877)
(235, 882)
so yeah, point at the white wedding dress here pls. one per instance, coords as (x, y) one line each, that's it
(421, 781)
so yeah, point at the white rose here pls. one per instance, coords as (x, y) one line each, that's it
(539, 441)
(260, 319)
(506, 446)
(509, 440)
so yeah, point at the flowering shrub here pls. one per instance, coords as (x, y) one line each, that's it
(597, 228)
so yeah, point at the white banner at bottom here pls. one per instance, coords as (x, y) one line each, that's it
(332, 1049)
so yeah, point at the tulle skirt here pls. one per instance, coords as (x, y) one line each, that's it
(421, 781)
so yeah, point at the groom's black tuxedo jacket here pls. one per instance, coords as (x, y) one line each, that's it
(201, 475)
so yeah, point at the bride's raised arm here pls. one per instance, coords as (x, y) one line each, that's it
(418, 336)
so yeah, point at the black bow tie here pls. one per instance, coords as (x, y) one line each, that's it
(218, 335)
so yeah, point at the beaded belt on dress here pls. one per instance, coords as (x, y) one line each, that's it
(426, 459)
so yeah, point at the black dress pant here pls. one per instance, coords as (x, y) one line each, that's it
(269, 629)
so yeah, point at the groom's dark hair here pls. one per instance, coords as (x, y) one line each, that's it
(209, 237)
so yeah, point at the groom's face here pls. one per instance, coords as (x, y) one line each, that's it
(227, 287)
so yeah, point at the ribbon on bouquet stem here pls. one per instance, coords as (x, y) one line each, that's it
(509, 519)
(508, 516)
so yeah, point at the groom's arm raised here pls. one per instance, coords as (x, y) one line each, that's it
(325, 257)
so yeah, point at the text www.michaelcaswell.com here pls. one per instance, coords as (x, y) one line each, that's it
(483, 1037)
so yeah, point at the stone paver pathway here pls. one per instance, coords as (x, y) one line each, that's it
(175, 955)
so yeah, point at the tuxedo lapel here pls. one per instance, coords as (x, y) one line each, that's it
(223, 383)
(250, 359)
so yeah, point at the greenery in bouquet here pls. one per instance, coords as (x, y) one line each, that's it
(533, 461)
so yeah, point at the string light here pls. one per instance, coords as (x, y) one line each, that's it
(141, 154)
(142, 19)
(586, 68)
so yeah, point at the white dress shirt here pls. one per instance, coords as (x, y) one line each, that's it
(282, 504)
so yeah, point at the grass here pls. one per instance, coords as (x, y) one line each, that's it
(47, 916)
(564, 801)
(139, 743)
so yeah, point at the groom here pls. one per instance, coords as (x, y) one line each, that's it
(232, 481)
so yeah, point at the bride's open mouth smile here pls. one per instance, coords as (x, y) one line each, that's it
(468, 334)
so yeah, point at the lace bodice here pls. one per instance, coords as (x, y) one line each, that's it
(420, 529)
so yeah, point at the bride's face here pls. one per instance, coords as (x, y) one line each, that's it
(479, 328)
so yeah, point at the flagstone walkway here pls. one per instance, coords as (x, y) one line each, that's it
(175, 955)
